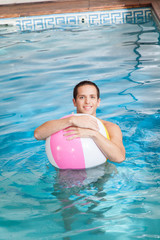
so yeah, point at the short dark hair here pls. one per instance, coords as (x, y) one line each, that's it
(80, 84)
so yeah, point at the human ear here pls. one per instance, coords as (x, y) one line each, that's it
(74, 102)
(99, 100)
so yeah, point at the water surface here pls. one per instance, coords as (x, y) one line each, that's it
(38, 73)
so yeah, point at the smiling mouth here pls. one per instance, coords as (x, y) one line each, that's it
(87, 107)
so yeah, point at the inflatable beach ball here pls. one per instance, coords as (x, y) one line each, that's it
(79, 153)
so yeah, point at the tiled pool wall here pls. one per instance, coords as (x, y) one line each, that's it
(121, 16)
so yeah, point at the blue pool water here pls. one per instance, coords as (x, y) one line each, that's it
(38, 73)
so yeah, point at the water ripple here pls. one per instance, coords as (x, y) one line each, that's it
(38, 73)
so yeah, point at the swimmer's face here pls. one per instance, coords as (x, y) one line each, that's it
(87, 101)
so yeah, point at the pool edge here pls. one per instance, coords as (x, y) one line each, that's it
(70, 6)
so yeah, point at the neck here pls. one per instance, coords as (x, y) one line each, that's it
(94, 114)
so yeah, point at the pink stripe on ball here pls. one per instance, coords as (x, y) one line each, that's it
(68, 154)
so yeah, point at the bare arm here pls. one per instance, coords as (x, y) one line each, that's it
(50, 127)
(113, 149)
(53, 126)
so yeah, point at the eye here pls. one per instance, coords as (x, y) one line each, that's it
(81, 97)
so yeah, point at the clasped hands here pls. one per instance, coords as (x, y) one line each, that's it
(82, 127)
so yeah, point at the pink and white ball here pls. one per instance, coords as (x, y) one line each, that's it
(79, 153)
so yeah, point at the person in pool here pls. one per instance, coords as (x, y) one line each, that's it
(86, 98)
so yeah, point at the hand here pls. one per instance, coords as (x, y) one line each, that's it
(76, 132)
(85, 121)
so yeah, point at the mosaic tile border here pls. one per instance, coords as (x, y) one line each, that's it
(37, 23)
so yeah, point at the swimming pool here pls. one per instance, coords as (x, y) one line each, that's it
(38, 72)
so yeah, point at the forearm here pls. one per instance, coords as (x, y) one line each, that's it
(53, 126)
(50, 127)
(113, 152)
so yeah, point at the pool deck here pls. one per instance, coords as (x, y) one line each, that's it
(70, 6)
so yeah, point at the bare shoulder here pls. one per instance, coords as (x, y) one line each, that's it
(115, 135)
(110, 125)
(113, 129)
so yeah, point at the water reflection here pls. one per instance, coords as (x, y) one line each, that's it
(78, 178)
(81, 193)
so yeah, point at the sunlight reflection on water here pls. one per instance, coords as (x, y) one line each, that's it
(38, 73)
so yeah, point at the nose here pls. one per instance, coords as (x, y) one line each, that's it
(87, 100)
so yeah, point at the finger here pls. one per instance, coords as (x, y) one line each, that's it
(94, 126)
(72, 137)
(69, 129)
(94, 122)
(69, 134)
